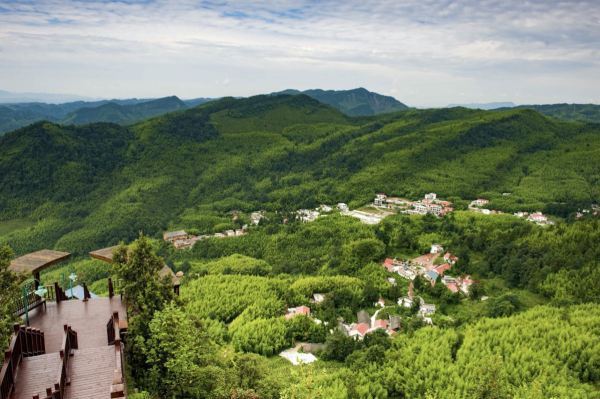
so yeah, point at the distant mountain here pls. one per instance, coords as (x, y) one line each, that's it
(571, 112)
(124, 114)
(355, 102)
(485, 106)
(193, 102)
(51, 98)
(14, 116)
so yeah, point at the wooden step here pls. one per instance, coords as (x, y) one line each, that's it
(35, 374)
(91, 372)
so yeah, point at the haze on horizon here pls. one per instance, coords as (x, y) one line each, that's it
(424, 53)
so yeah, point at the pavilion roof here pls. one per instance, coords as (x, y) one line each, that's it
(106, 255)
(35, 262)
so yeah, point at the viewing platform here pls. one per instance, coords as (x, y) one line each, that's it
(70, 349)
(93, 368)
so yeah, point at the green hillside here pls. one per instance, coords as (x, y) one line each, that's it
(570, 112)
(82, 187)
(124, 114)
(355, 102)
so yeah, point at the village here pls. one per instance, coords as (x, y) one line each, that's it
(372, 214)
(432, 266)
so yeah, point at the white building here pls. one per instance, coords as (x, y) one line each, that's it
(343, 207)
(380, 200)
(436, 249)
(431, 196)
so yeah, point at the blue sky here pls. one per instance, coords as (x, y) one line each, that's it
(423, 52)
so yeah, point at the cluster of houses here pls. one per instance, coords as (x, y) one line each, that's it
(430, 204)
(595, 211)
(310, 215)
(367, 324)
(535, 217)
(426, 310)
(430, 268)
(182, 240)
(479, 204)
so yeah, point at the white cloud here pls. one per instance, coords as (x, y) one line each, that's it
(423, 52)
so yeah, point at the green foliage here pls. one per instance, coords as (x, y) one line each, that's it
(9, 290)
(569, 112)
(264, 336)
(133, 264)
(225, 297)
(536, 346)
(234, 264)
(504, 305)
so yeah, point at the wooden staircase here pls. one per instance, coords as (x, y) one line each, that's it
(58, 364)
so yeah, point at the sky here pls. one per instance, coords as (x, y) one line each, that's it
(423, 52)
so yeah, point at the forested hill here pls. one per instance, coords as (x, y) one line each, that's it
(14, 116)
(572, 112)
(124, 114)
(355, 102)
(89, 186)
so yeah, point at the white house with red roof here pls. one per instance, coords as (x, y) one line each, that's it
(449, 258)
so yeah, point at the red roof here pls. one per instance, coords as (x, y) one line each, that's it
(300, 310)
(426, 260)
(380, 324)
(362, 328)
(452, 287)
(441, 269)
(449, 256)
(388, 263)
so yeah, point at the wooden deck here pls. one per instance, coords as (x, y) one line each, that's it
(92, 372)
(88, 319)
(36, 374)
(91, 367)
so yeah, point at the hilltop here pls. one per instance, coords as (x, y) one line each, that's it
(572, 112)
(80, 187)
(355, 102)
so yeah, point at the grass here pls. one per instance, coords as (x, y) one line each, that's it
(8, 226)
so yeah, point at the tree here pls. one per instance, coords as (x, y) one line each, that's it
(138, 266)
(9, 290)
(338, 346)
(179, 357)
(504, 305)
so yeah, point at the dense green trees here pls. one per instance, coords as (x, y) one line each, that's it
(86, 187)
(137, 267)
(9, 290)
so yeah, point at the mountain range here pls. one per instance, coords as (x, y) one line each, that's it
(80, 187)
(354, 102)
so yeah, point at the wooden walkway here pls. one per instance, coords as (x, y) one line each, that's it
(92, 372)
(36, 374)
(88, 319)
(92, 366)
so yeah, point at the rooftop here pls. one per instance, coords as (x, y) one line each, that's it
(106, 255)
(35, 262)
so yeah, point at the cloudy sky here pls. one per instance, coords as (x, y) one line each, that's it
(423, 52)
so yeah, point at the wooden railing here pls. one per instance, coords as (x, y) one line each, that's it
(114, 287)
(69, 343)
(117, 389)
(26, 302)
(24, 342)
